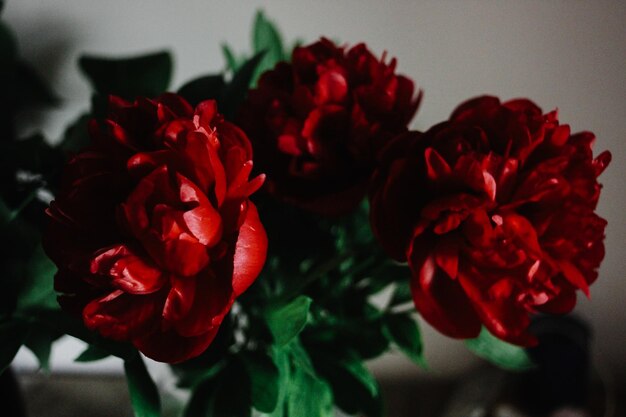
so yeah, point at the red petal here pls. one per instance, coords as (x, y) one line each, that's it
(170, 347)
(203, 305)
(439, 299)
(204, 222)
(447, 256)
(128, 272)
(502, 316)
(437, 166)
(250, 251)
(176, 104)
(206, 111)
(331, 87)
(563, 303)
(120, 316)
(141, 164)
(574, 276)
(180, 298)
(184, 256)
(517, 227)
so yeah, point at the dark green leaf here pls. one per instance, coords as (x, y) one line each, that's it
(287, 321)
(401, 293)
(12, 336)
(76, 136)
(402, 330)
(236, 90)
(8, 48)
(498, 352)
(39, 341)
(264, 376)
(92, 353)
(32, 88)
(59, 321)
(202, 400)
(203, 88)
(37, 284)
(308, 396)
(227, 394)
(354, 388)
(26, 165)
(144, 396)
(233, 396)
(206, 365)
(360, 373)
(147, 75)
(364, 336)
(14, 257)
(385, 272)
(6, 214)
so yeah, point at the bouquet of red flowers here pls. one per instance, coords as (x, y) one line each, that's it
(238, 228)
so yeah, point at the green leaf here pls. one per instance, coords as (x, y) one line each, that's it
(92, 353)
(308, 396)
(354, 388)
(12, 336)
(39, 341)
(265, 37)
(287, 321)
(144, 396)
(300, 357)
(264, 376)
(498, 352)
(364, 336)
(203, 88)
(401, 293)
(283, 364)
(235, 92)
(202, 400)
(37, 285)
(360, 373)
(147, 75)
(402, 330)
(232, 63)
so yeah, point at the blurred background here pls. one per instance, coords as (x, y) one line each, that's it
(569, 55)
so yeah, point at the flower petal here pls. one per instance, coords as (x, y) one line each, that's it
(121, 316)
(128, 271)
(168, 346)
(438, 298)
(250, 251)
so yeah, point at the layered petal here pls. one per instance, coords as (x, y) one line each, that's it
(152, 230)
(500, 201)
(317, 124)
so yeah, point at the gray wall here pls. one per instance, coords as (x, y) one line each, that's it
(570, 54)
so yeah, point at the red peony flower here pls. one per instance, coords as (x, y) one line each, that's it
(494, 211)
(317, 123)
(153, 232)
